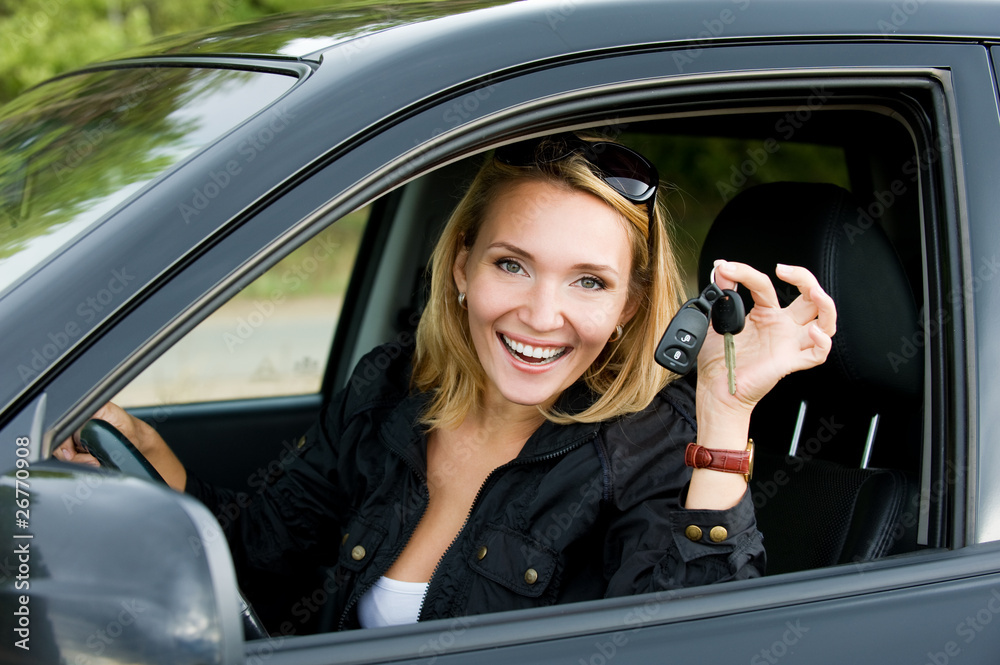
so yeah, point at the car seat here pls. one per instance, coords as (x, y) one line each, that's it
(837, 445)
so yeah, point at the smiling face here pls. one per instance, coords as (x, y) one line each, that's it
(546, 282)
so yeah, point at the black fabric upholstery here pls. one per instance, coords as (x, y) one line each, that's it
(815, 513)
(820, 508)
(821, 227)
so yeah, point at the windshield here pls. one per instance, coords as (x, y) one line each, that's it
(74, 149)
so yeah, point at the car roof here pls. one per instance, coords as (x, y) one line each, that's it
(584, 25)
(385, 61)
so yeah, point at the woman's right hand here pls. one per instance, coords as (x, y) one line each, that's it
(146, 440)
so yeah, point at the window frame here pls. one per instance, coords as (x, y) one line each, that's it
(943, 226)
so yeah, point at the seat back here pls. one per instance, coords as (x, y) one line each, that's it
(835, 444)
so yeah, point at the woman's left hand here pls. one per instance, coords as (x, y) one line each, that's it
(775, 342)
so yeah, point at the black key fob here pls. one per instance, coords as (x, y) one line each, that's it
(678, 348)
(728, 313)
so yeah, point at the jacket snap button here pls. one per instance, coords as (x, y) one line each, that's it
(531, 576)
(693, 533)
(481, 553)
(358, 553)
(718, 534)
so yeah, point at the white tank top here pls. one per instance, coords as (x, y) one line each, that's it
(391, 603)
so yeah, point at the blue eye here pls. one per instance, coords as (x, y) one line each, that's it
(592, 283)
(510, 265)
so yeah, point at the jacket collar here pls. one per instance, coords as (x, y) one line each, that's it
(402, 432)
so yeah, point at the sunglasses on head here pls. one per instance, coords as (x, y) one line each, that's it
(623, 169)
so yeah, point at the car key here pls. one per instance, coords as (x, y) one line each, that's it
(679, 346)
(728, 319)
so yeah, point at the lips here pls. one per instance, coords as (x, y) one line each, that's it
(533, 355)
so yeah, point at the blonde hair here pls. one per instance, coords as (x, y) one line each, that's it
(626, 377)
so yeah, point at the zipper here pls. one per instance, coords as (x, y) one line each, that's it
(482, 489)
(356, 598)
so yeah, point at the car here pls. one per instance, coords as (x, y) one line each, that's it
(213, 230)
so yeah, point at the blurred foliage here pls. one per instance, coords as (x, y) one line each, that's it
(320, 267)
(42, 38)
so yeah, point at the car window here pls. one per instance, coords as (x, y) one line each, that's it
(271, 339)
(73, 150)
(703, 173)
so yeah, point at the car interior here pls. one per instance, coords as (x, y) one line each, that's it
(843, 451)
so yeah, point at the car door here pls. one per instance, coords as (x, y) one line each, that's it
(935, 604)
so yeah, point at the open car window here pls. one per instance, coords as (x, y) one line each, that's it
(272, 339)
(706, 164)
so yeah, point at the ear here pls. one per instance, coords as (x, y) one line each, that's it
(458, 270)
(631, 307)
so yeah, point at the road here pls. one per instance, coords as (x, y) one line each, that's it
(247, 348)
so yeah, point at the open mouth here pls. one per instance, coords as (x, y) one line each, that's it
(534, 355)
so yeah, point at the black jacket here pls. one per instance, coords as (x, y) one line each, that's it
(585, 510)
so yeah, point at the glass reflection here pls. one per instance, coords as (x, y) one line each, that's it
(74, 149)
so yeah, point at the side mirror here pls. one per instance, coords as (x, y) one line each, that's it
(102, 567)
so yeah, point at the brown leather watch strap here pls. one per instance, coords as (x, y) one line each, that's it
(730, 461)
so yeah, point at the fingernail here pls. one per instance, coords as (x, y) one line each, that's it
(718, 262)
(782, 269)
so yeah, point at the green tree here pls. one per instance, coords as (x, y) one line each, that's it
(40, 39)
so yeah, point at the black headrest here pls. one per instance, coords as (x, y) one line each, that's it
(878, 345)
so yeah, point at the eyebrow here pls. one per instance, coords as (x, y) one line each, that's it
(588, 267)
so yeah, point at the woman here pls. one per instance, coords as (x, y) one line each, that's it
(529, 451)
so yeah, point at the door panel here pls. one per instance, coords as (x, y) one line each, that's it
(945, 609)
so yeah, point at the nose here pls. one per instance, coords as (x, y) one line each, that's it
(542, 308)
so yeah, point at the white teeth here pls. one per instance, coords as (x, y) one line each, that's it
(528, 351)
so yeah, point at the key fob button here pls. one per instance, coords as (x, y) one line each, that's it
(686, 338)
(676, 355)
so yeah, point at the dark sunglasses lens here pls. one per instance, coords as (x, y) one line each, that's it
(631, 188)
(624, 170)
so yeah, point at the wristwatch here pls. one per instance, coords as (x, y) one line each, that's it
(730, 461)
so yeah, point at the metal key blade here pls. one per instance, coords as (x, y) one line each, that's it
(730, 349)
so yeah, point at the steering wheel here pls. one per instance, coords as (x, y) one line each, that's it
(110, 447)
